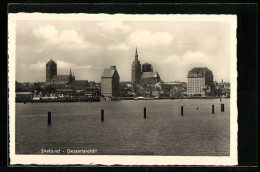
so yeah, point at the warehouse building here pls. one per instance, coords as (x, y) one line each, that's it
(110, 82)
(200, 82)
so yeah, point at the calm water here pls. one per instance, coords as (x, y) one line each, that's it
(125, 131)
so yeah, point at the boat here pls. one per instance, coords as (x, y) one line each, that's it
(144, 98)
(139, 98)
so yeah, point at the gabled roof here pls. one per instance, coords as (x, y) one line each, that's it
(60, 78)
(80, 84)
(150, 75)
(109, 73)
(198, 70)
(51, 61)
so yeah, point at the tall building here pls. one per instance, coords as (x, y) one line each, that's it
(136, 70)
(200, 82)
(110, 82)
(51, 70)
(146, 67)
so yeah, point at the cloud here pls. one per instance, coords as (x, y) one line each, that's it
(39, 66)
(108, 33)
(147, 39)
(211, 42)
(113, 26)
(67, 65)
(122, 47)
(84, 67)
(189, 58)
(64, 65)
(65, 40)
(87, 47)
(195, 58)
(179, 65)
(48, 32)
(171, 59)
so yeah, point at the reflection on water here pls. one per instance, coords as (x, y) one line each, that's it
(125, 131)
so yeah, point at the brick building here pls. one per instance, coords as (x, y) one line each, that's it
(51, 70)
(53, 78)
(146, 67)
(149, 78)
(143, 75)
(136, 71)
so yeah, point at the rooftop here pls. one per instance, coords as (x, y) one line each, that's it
(51, 61)
(198, 72)
(108, 72)
(150, 75)
(61, 77)
(146, 64)
(80, 84)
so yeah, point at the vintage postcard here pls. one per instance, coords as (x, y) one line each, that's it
(122, 89)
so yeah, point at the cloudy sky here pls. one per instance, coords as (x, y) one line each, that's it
(87, 47)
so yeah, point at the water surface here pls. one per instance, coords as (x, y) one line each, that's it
(125, 131)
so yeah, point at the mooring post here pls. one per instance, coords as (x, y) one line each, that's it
(181, 110)
(222, 107)
(49, 117)
(212, 109)
(102, 115)
(197, 108)
(144, 112)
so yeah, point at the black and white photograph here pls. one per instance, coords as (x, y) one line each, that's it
(122, 89)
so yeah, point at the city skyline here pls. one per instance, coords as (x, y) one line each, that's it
(173, 47)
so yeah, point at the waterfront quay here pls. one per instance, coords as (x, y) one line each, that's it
(124, 130)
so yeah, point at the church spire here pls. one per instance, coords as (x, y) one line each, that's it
(71, 78)
(136, 54)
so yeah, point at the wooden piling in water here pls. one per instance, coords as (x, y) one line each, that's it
(144, 112)
(212, 109)
(49, 118)
(102, 115)
(181, 110)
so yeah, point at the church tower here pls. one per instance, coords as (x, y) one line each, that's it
(136, 71)
(71, 77)
(51, 70)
